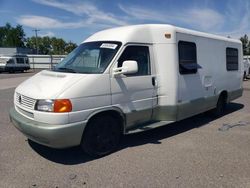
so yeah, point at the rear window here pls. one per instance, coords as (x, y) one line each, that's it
(232, 59)
(20, 60)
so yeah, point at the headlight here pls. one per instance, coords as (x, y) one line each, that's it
(57, 105)
(45, 105)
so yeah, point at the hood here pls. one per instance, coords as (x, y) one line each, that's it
(48, 84)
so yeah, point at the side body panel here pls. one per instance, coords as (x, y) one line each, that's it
(134, 95)
(191, 95)
(200, 91)
(167, 81)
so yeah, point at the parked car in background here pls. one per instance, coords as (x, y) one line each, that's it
(14, 63)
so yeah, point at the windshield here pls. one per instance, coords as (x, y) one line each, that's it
(90, 57)
(4, 60)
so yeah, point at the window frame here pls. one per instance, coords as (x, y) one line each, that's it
(149, 58)
(227, 56)
(182, 70)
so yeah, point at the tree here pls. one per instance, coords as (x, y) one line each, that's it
(12, 36)
(2, 36)
(245, 44)
(47, 48)
(47, 45)
(70, 46)
(15, 37)
(31, 42)
(58, 45)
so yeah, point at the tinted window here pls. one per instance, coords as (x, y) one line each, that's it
(11, 61)
(232, 59)
(187, 57)
(139, 54)
(20, 60)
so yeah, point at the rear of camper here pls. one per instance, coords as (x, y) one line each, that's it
(195, 72)
(210, 72)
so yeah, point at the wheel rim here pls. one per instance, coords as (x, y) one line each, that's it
(105, 137)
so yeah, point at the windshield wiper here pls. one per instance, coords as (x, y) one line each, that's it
(66, 69)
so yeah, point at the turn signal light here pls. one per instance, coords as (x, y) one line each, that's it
(62, 105)
(168, 35)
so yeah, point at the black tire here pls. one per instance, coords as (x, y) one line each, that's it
(220, 106)
(101, 136)
(11, 71)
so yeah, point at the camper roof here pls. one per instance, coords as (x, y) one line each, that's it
(149, 33)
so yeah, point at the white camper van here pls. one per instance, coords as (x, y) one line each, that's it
(125, 80)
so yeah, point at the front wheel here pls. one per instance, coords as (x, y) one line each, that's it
(102, 136)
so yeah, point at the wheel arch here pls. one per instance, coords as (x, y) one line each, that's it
(114, 112)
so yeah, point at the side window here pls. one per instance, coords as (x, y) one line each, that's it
(139, 54)
(20, 60)
(27, 60)
(187, 57)
(11, 61)
(232, 59)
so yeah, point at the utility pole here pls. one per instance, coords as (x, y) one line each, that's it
(36, 30)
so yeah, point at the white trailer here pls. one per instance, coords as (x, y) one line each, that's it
(125, 80)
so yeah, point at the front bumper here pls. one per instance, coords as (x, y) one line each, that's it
(55, 136)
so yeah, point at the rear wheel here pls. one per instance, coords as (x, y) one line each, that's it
(102, 136)
(221, 106)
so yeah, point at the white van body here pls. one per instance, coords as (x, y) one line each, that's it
(12, 63)
(175, 85)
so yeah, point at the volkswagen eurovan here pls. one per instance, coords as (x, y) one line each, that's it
(126, 80)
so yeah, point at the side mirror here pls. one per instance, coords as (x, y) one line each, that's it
(128, 67)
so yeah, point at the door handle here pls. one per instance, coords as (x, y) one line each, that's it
(153, 81)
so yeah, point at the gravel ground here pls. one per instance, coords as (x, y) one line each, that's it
(197, 152)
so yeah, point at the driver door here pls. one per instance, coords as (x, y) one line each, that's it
(135, 93)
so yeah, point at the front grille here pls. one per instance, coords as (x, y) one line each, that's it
(25, 101)
(26, 113)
